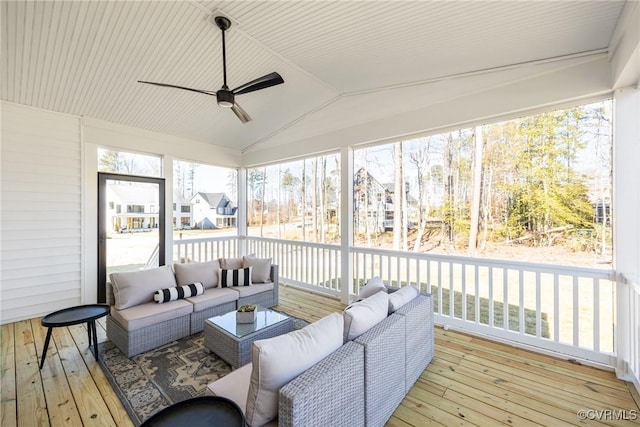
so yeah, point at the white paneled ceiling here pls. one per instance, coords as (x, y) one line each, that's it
(343, 63)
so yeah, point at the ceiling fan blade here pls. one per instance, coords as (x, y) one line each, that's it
(206, 92)
(263, 82)
(242, 115)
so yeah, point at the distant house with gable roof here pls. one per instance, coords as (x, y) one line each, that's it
(182, 212)
(213, 210)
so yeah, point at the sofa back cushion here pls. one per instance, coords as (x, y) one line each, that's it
(277, 361)
(361, 316)
(261, 272)
(231, 263)
(401, 297)
(137, 287)
(203, 272)
(373, 286)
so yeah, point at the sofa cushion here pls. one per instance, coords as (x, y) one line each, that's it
(401, 297)
(203, 272)
(246, 291)
(361, 316)
(276, 361)
(261, 272)
(178, 292)
(150, 313)
(213, 297)
(373, 286)
(234, 386)
(231, 263)
(239, 277)
(136, 287)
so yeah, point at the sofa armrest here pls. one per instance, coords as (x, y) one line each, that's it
(275, 278)
(111, 299)
(330, 393)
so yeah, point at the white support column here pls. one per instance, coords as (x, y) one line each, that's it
(626, 225)
(241, 215)
(167, 174)
(346, 222)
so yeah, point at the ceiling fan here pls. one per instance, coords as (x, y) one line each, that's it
(226, 97)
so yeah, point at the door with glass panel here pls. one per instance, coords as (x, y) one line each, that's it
(131, 225)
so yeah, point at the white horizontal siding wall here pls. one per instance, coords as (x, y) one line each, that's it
(41, 218)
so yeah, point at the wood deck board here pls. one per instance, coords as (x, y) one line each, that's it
(117, 411)
(91, 405)
(8, 404)
(31, 404)
(60, 402)
(472, 381)
(554, 364)
(584, 388)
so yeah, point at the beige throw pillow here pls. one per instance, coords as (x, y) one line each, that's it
(361, 316)
(277, 361)
(261, 272)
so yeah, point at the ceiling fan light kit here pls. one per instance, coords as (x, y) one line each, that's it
(225, 97)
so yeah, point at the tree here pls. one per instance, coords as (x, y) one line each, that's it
(476, 191)
(548, 192)
(109, 161)
(398, 191)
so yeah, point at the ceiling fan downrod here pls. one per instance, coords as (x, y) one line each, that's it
(224, 96)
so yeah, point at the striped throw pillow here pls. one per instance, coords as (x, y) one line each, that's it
(178, 292)
(239, 277)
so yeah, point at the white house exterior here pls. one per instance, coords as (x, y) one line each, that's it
(131, 208)
(213, 210)
(182, 212)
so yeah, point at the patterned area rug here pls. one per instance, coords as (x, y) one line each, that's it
(158, 378)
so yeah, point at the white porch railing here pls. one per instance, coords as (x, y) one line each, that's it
(570, 310)
(567, 310)
(629, 357)
(314, 266)
(206, 249)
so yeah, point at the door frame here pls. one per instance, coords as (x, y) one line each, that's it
(103, 177)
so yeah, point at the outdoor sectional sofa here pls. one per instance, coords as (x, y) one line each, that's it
(319, 376)
(137, 323)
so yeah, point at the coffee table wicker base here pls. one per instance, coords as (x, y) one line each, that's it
(237, 351)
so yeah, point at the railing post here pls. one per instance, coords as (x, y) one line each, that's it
(242, 212)
(167, 167)
(346, 223)
(626, 229)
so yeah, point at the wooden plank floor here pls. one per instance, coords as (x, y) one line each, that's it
(471, 381)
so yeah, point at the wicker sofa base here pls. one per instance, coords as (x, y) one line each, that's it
(149, 337)
(263, 299)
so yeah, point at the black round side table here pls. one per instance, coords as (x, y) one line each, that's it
(74, 316)
(209, 411)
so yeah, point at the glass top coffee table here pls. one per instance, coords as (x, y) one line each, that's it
(232, 341)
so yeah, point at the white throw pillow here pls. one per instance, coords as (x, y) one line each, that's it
(203, 272)
(402, 296)
(372, 286)
(261, 268)
(361, 316)
(137, 287)
(277, 361)
(239, 277)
